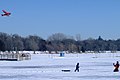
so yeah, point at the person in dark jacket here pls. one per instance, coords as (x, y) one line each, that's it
(77, 67)
(116, 66)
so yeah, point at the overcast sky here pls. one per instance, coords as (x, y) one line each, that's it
(89, 18)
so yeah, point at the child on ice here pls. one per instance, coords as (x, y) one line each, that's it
(116, 66)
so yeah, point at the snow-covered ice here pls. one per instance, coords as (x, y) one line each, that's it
(49, 66)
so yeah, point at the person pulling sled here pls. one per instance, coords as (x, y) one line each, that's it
(77, 67)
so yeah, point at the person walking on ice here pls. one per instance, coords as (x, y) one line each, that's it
(116, 66)
(77, 67)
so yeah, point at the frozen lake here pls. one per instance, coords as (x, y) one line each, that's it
(48, 67)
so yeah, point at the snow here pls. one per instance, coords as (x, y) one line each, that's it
(49, 67)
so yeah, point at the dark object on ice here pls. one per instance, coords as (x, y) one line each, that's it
(116, 66)
(77, 67)
(8, 60)
(62, 54)
(66, 70)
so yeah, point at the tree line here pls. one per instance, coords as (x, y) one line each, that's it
(56, 42)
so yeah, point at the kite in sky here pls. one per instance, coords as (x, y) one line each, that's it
(6, 13)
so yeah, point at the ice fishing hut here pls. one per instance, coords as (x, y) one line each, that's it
(62, 54)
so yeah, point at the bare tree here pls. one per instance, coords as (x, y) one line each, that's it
(78, 37)
(57, 36)
(31, 43)
(17, 42)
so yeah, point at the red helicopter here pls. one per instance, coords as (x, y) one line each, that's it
(6, 13)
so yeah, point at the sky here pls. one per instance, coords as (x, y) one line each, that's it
(89, 18)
